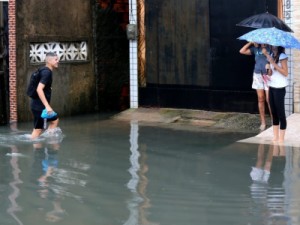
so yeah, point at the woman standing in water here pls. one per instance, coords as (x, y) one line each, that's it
(279, 72)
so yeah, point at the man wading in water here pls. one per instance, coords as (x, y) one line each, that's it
(44, 96)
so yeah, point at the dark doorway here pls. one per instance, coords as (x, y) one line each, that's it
(112, 54)
(192, 55)
(3, 63)
(229, 69)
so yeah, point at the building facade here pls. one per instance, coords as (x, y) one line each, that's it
(36, 28)
(184, 56)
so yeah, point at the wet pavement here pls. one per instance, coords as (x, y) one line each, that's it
(197, 119)
(107, 170)
(292, 136)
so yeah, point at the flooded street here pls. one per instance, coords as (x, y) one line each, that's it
(109, 172)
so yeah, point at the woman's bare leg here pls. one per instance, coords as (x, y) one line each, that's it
(261, 107)
(268, 102)
(281, 136)
(275, 133)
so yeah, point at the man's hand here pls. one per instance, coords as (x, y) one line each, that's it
(49, 109)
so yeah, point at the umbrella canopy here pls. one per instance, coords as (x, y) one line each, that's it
(271, 36)
(264, 20)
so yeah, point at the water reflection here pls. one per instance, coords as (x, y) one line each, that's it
(291, 184)
(14, 184)
(14, 153)
(139, 203)
(272, 201)
(108, 172)
(261, 171)
(142, 188)
(55, 182)
(47, 189)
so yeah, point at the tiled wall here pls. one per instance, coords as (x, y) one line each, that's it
(292, 17)
(133, 54)
(290, 89)
(289, 97)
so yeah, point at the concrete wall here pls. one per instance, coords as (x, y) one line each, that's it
(73, 88)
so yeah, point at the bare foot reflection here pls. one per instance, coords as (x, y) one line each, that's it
(269, 198)
(262, 170)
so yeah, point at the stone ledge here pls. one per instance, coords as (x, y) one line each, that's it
(231, 121)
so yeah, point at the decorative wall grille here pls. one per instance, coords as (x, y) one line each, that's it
(66, 51)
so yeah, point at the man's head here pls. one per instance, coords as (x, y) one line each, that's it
(51, 60)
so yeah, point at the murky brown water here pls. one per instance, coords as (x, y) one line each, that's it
(116, 173)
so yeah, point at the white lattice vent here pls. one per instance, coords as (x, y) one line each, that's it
(66, 51)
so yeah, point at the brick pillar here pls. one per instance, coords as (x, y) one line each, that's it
(12, 61)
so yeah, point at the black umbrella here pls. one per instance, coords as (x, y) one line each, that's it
(264, 20)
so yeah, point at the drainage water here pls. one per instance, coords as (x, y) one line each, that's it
(110, 172)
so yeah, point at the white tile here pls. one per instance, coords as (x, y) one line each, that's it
(133, 58)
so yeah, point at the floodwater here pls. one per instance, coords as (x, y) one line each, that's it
(107, 172)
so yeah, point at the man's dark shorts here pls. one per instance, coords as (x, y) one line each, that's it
(38, 122)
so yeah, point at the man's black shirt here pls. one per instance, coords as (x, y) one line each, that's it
(46, 79)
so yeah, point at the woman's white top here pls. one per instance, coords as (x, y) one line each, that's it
(278, 80)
